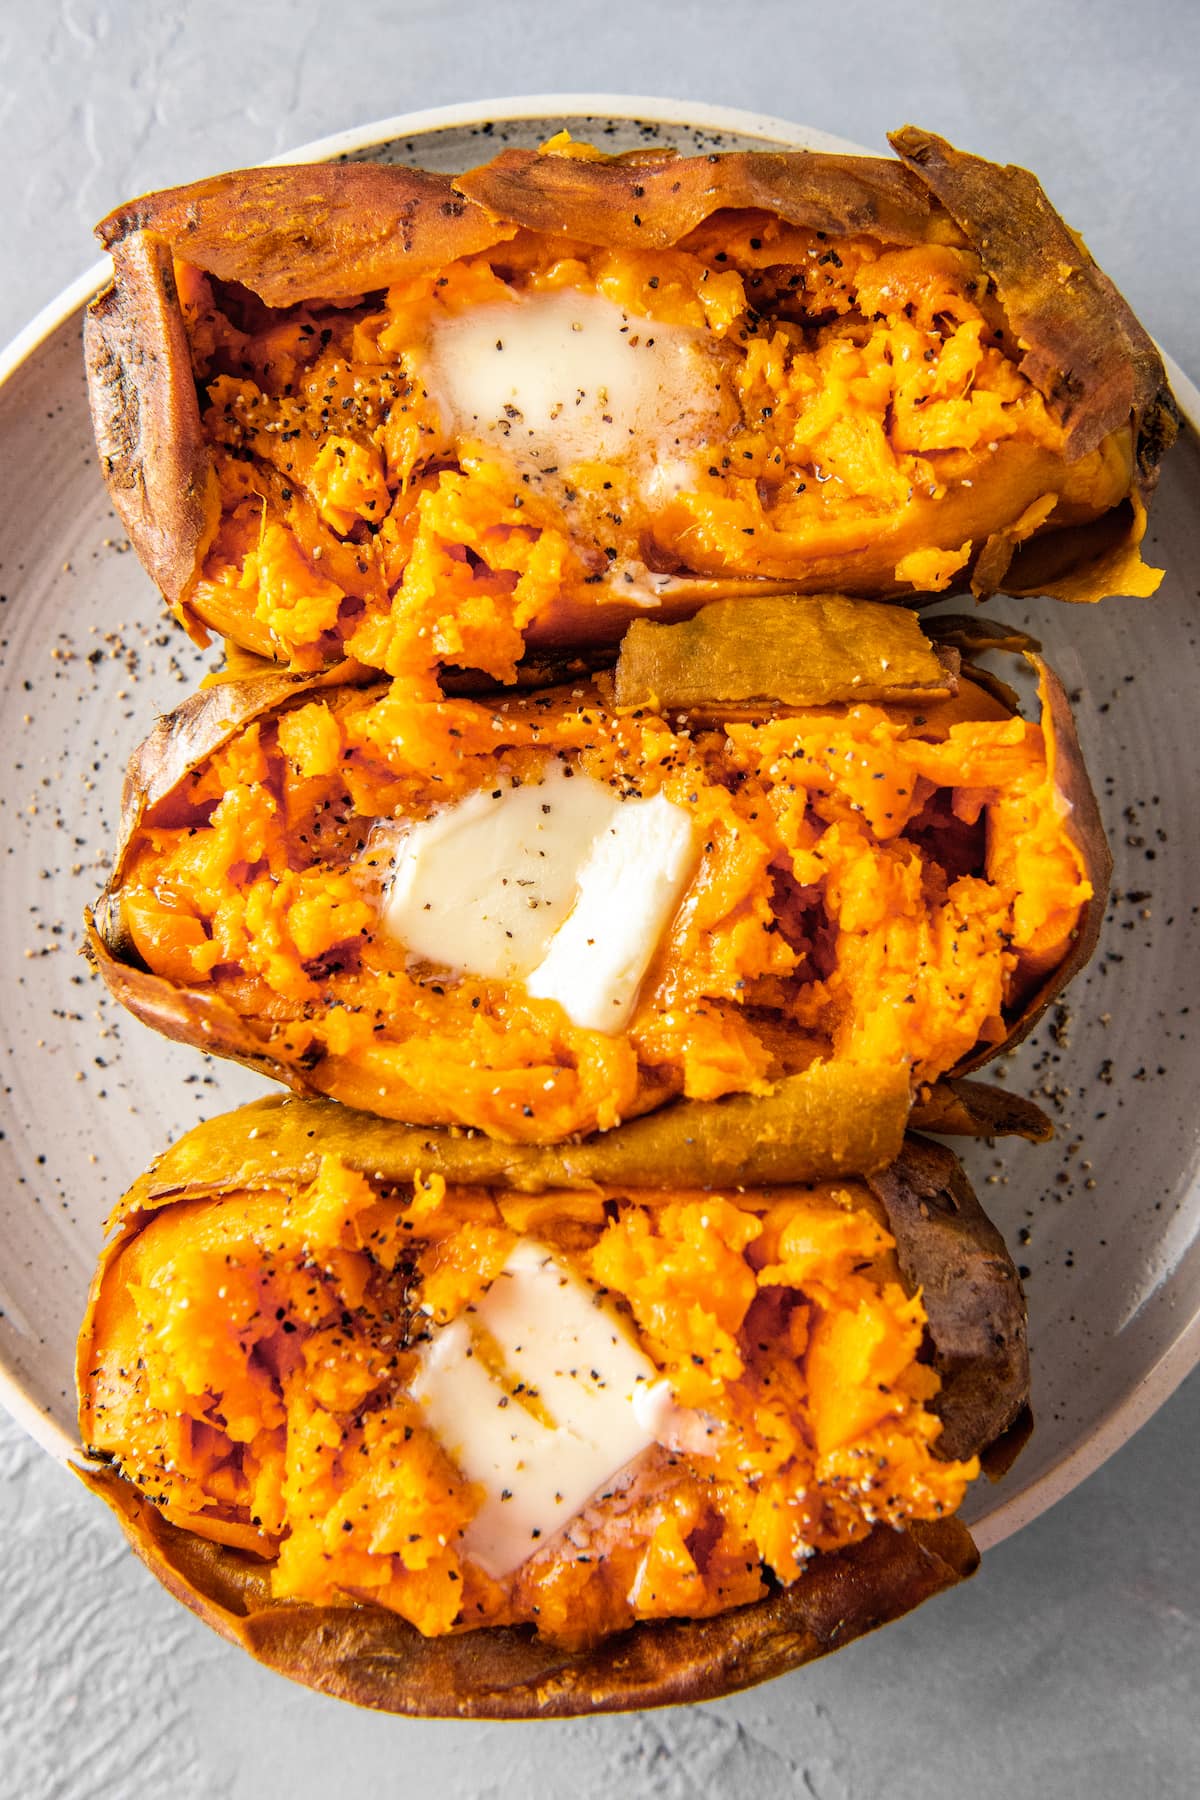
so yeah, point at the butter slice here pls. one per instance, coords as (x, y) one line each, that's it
(629, 888)
(481, 886)
(557, 379)
(558, 883)
(575, 1402)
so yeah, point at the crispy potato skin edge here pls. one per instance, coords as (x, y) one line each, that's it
(374, 1658)
(1084, 349)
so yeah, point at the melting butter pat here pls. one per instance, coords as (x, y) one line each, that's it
(629, 888)
(558, 379)
(483, 885)
(558, 883)
(539, 1395)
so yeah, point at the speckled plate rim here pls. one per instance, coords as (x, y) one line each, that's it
(1183, 1354)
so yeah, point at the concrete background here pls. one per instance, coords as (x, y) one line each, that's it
(1071, 1665)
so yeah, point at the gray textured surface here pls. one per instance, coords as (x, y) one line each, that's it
(1067, 1669)
(1071, 1666)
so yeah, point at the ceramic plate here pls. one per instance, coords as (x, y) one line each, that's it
(1105, 1223)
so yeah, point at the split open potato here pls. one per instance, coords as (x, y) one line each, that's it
(540, 915)
(431, 422)
(444, 1440)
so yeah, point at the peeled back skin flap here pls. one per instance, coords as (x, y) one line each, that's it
(434, 422)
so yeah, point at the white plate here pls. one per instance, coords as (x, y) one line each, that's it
(1106, 1221)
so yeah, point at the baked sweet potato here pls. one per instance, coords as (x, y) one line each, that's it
(427, 422)
(256, 1401)
(858, 897)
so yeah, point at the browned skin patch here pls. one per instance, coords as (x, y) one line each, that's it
(949, 1248)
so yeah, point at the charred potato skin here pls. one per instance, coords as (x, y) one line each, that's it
(374, 1658)
(199, 1015)
(338, 230)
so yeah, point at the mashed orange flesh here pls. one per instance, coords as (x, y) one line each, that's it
(876, 886)
(251, 1359)
(872, 430)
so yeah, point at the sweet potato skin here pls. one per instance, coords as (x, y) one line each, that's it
(374, 1658)
(949, 1248)
(655, 199)
(743, 658)
(976, 1109)
(145, 414)
(1082, 347)
(335, 231)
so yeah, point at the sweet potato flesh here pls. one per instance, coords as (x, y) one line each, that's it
(879, 887)
(250, 1362)
(862, 423)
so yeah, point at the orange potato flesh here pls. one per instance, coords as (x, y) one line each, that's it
(876, 430)
(246, 1359)
(879, 887)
